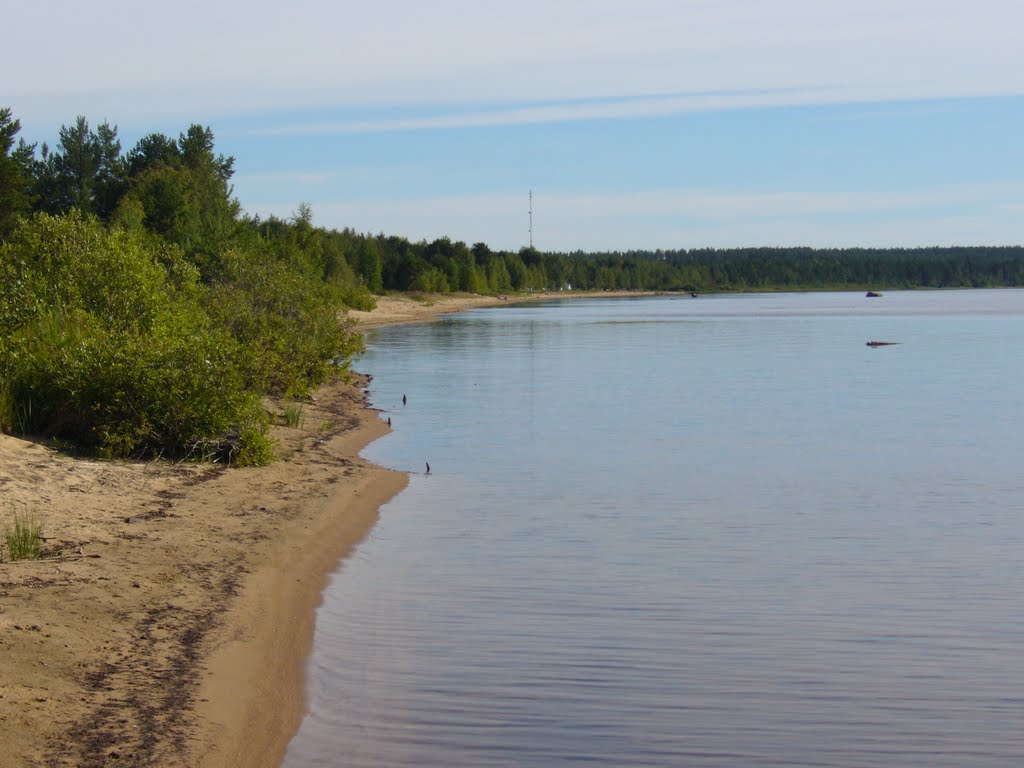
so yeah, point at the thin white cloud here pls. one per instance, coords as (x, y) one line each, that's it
(613, 109)
(131, 60)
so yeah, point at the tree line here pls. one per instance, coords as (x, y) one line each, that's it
(179, 189)
(446, 266)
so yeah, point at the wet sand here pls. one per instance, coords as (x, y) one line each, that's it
(170, 622)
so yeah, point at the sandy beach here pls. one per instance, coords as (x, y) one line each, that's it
(169, 623)
(412, 308)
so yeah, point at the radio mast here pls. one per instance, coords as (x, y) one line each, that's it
(531, 219)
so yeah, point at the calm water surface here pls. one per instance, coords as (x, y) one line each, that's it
(689, 532)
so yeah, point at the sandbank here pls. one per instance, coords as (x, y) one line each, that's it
(395, 309)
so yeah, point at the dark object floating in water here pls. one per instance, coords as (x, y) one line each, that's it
(428, 468)
(872, 295)
(693, 294)
(882, 343)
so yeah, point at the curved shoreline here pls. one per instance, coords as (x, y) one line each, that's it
(175, 626)
(252, 699)
(404, 309)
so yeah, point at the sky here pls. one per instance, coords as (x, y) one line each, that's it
(636, 124)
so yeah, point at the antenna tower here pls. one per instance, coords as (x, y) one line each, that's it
(531, 219)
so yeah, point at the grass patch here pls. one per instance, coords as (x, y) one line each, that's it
(24, 538)
(293, 415)
(423, 297)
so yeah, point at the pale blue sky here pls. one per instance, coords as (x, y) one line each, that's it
(639, 124)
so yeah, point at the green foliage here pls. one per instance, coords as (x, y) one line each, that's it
(14, 415)
(152, 151)
(191, 207)
(73, 262)
(147, 318)
(286, 323)
(24, 538)
(256, 448)
(431, 281)
(293, 415)
(103, 344)
(368, 264)
(76, 164)
(85, 171)
(443, 266)
(357, 296)
(15, 173)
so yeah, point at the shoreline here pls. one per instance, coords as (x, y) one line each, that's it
(252, 698)
(404, 309)
(176, 625)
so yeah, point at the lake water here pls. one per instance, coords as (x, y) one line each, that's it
(719, 531)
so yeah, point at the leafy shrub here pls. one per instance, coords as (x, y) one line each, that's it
(73, 262)
(109, 339)
(103, 343)
(358, 296)
(285, 322)
(256, 448)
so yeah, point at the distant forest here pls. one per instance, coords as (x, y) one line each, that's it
(178, 190)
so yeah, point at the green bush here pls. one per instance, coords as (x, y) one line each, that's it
(107, 343)
(109, 339)
(285, 322)
(256, 448)
(358, 296)
(73, 262)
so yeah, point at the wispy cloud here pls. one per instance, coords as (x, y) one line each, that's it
(571, 111)
(320, 54)
(272, 80)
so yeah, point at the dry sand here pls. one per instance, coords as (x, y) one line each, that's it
(415, 308)
(172, 627)
(170, 623)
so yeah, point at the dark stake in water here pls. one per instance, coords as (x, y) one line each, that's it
(721, 532)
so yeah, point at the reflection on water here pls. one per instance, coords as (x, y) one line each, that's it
(710, 532)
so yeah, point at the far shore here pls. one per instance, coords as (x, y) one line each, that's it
(400, 309)
(171, 622)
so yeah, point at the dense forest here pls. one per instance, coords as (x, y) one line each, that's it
(443, 266)
(142, 312)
